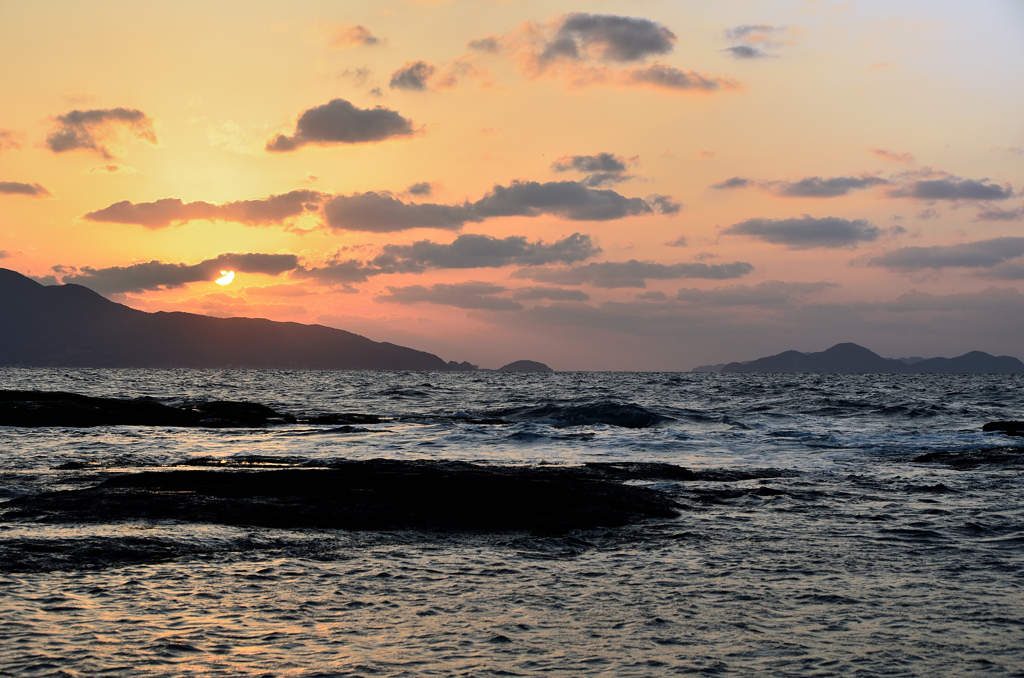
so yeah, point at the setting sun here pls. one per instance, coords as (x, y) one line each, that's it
(225, 277)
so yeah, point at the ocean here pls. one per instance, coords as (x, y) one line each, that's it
(846, 525)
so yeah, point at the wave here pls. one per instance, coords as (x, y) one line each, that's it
(609, 412)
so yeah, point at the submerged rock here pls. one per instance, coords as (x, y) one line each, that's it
(365, 495)
(967, 459)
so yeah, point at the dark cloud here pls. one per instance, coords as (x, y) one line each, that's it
(483, 251)
(952, 188)
(816, 187)
(9, 140)
(549, 293)
(746, 52)
(470, 295)
(678, 242)
(928, 214)
(339, 122)
(807, 232)
(4, 254)
(382, 213)
(18, 188)
(663, 76)
(490, 44)
(996, 214)
(893, 156)
(604, 168)
(172, 211)
(632, 273)
(565, 199)
(96, 130)
(770, 293)
(980, 254)
(1004, 272)
(735, 182)
(156, 275)
(608, 38)
(421, 188)
(664, 204)
(413, 75)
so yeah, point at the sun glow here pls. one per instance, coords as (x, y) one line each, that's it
(225, 277)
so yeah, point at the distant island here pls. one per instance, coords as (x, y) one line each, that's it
(525, 366)
(72, 326)
(850, 358)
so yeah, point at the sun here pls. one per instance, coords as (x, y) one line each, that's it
(225, 278)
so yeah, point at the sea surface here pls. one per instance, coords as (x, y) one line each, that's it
(856, 561)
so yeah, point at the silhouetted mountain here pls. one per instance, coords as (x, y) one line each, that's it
(853, 359)
(72, 326)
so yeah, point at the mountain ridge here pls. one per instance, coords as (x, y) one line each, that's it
(850, 358)
(73, 326)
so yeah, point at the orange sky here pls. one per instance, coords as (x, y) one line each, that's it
(595, 185)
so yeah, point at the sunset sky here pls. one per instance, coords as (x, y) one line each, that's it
(642, 184)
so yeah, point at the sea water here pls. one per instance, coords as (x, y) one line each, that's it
(854, 560)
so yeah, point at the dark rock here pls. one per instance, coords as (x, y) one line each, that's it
(968, 459)
(33, 409)
(525, 366)
(461, 367)
(1010, 428)
(363, 495)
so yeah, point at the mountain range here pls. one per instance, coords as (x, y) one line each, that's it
(850, 358)
(72, 326)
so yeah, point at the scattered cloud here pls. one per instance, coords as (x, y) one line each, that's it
(490, 44)
(602, 169)
(4, 254)
(383, 213)
(952, 188)
(807, 232)
(929, 213)
(470, 295)
(893, 156)
(816, 187)
(412, 76)
(18, 188)
(662, 76)
(584, 48)
(678, 242)
(9, 140)
(156, 275)
(770, 293)
(734, 182)
(339, 122)
(704, 155)
(664, 204)
(112, 168)
(100, 130)
(753, 41)
(172, 211)
(346, 36)
(420, 188)
(605, 37)
(996, 214)
(549, 293)
(483, 251)
(979, 254)
(632, 273)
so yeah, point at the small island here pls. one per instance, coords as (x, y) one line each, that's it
(525, 366)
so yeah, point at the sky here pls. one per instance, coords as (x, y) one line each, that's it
(597, 185)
